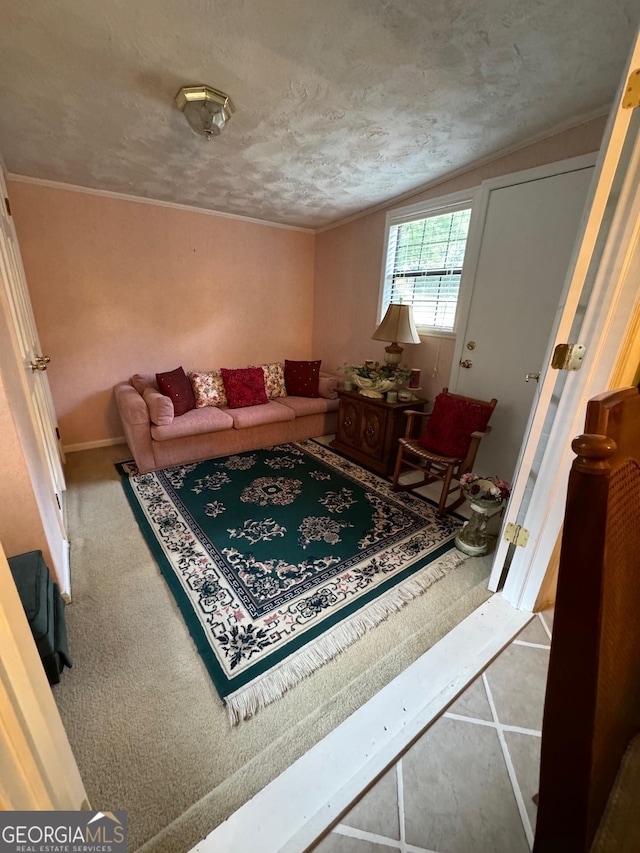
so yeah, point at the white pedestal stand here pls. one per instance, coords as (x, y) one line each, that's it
(473, 539)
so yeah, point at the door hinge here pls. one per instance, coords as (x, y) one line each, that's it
(568, 357)
(516, 534)
(7, 204)
(57, 433)
(58, 499)
(631, 98)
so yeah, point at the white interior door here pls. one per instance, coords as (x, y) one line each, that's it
(529, 230)
(31, 355)
(600, 301)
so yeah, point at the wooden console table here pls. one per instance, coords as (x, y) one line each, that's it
(369, 429)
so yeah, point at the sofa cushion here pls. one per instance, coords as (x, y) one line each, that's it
(302, 377)
(174, 384)
(244, 387)
(268, 413)
(274, 380)
(160, 406)
(207, 388)
(140, 381)
(308, 405)
(193, 422)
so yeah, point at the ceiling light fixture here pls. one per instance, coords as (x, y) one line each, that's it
(207, 110)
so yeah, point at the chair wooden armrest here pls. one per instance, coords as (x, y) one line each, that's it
(480, 433)
(411, 413)
(467, 463)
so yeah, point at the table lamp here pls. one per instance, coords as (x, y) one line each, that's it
(397, 327)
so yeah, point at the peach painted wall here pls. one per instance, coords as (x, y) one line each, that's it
(120, 287)
(348, 265)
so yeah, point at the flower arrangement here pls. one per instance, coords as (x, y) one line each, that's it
(487, 490)
(374, 379)
(376, 372)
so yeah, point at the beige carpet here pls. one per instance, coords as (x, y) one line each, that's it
(147, 727)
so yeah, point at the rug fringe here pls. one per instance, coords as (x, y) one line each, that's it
(247, 701)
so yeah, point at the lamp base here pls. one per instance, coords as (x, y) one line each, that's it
(393, 354)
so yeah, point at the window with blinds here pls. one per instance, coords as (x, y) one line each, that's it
(424, 265)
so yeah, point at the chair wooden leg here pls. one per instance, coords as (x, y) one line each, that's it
(442, 505)
(397, 470)
(458, 502)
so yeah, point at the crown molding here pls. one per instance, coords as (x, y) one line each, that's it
(189, 208)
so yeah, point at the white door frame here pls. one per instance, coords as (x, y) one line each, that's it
(606, 267)
(37, 768)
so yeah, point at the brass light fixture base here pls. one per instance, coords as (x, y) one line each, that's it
(206, 109)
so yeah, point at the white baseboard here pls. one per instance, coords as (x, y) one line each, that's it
(92, 445)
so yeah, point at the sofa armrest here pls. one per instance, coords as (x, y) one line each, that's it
(160, 407)
(136, 423)
(131, 405)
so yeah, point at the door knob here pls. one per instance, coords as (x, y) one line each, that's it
(40, 363)
(466, 363)
(529, 376)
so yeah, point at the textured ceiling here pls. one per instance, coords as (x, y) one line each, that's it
(340, 104)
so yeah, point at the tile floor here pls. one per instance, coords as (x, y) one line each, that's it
(466, 785)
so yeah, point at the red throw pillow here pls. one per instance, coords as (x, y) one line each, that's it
(302, 378)
(451, 423)
(244, 387)
(175, 384)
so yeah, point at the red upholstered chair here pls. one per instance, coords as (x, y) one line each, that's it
(447, 448)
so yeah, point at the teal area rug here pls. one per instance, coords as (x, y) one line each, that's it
(281, 558)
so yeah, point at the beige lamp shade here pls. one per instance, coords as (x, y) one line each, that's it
(398, 327)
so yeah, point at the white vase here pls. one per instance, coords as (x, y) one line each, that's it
(376, 388)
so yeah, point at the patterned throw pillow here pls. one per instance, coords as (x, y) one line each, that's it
(244, 387)
(274, 380)
(174, 384)
(302, 378)
(208, 388)
(451, 423)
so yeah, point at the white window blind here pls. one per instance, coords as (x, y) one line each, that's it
(424, 265)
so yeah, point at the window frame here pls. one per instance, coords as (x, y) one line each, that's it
(426, 209)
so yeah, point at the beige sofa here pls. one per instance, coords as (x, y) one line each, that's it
(211, 431)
